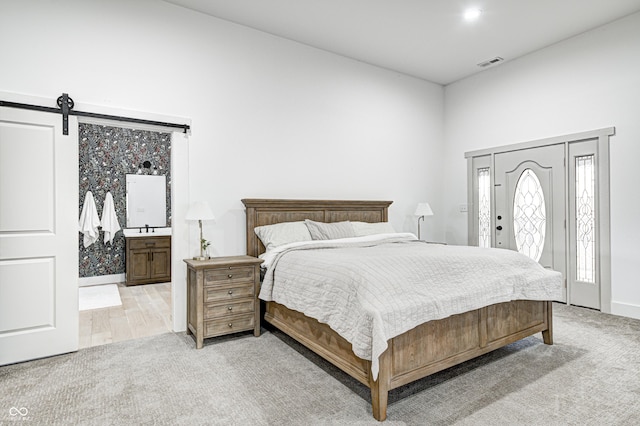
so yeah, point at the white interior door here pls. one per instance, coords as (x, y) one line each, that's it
(530, 204)
(38, 235)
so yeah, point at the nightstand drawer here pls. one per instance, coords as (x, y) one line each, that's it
(217, 311)
(230, 325)
(213, 294)
(228, 275)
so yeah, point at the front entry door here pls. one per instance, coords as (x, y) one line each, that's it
(530, 204)
(38, 235)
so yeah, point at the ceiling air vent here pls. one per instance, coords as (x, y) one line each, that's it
(490, 62)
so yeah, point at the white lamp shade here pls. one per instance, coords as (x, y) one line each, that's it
(200, 210)
(423, 209)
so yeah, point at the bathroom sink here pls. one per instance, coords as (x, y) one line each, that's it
(135, 232)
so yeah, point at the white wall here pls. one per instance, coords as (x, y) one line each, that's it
(270, 117)
(588, 82)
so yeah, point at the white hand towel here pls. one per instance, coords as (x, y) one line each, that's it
(89, 220)
(109, 222)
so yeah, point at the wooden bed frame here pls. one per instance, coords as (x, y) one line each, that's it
(424, 350)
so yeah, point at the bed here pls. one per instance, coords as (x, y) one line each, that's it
(428, 348)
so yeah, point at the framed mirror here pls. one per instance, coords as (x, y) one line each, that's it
(146, 201)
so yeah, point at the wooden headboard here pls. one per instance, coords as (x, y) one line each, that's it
(267, 212)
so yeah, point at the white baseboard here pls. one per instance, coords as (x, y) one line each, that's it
(625, 310)
(102, 279)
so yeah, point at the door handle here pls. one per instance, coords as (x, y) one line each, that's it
(499, 227)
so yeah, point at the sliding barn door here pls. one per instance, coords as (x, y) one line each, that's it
(38, 235)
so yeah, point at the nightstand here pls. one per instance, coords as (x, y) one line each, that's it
(222, 296)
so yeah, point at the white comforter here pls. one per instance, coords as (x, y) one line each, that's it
(371, 289)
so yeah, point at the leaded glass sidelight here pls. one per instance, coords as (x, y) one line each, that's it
(484, 208)
(585, 219)
(529, 215)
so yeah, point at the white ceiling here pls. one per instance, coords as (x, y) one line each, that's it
(428, 39)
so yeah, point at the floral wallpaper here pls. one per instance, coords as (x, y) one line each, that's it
(107, 155)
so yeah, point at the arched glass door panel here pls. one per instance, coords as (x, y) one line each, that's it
(529, 215)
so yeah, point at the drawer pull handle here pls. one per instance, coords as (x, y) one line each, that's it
(230, 325)
(230, 291)
(230, 276)
(230, 308)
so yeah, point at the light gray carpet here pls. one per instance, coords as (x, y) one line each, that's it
(591, 376)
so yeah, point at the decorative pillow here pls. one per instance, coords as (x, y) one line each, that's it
(278, 234)
(362, 229)
(329, 231)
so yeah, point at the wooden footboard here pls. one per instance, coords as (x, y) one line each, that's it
(424, 350)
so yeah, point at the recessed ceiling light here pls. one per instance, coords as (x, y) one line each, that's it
(472, 14)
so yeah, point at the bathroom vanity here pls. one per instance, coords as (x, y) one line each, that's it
(148, 259)
(148, 239)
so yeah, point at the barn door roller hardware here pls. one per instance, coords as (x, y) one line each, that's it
(65, 103)
(65, 107)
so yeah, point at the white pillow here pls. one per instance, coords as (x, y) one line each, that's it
(282, 233)
(329, 231)
(362, 229)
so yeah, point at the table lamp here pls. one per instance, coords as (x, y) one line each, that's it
(200, 211)
(422, 210)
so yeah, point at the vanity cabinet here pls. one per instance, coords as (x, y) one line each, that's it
(148, 259)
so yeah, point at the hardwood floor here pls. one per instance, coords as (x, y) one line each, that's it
(145, 311)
